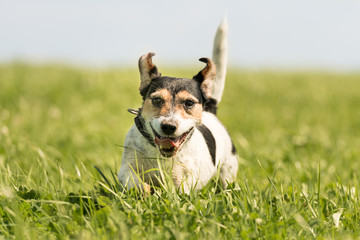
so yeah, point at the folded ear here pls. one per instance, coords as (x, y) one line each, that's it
(147, 70)
(206, 77)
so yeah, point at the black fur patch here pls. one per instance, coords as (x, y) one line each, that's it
(174, 85)
(144, 91)
(233, 149)
(211, 105)
(154, 72)
(199, 77)
(209, 139)
(139, 122)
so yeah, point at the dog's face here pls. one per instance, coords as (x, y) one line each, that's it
(173, 106)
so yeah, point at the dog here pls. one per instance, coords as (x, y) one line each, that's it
(177, 123)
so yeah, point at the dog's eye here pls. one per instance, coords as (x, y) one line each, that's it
(157, 101)
(189, 104)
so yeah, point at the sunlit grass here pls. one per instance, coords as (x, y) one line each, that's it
(297, 135)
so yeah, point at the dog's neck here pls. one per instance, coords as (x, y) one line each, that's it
(140, 124)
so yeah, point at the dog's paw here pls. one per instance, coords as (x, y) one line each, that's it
(147, 190)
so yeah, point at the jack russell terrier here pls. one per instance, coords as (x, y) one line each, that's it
(177, 123)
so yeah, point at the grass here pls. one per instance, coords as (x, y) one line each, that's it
(297, 135)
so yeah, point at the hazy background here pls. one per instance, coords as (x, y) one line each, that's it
(278, 34)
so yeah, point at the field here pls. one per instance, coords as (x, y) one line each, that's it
(297, 136)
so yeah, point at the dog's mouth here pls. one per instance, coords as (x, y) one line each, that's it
(169, 146)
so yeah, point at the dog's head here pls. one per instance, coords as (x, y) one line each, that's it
(173, 106)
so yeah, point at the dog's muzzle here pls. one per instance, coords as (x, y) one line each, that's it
(169, 146)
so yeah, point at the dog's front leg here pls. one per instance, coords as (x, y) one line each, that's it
(135, 166)
(184, 179)
(129, 178)
(137, 171)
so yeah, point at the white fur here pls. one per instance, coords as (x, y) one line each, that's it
(183, 125)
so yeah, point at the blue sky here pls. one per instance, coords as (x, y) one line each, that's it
(280, 34)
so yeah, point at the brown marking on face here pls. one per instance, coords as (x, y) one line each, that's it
(151, 110)
(194, 112)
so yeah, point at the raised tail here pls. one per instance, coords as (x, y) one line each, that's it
(220, 59)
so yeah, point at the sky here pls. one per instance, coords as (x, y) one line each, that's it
(276, 34)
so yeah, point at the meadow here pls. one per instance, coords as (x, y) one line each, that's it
(297, 135)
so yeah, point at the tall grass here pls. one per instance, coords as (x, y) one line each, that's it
(297, 135)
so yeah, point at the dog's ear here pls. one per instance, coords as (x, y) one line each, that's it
(206, 77)
(148, 71)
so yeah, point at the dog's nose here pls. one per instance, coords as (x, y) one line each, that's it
(168, 128)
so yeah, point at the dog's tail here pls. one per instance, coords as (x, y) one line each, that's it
(220, 59)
